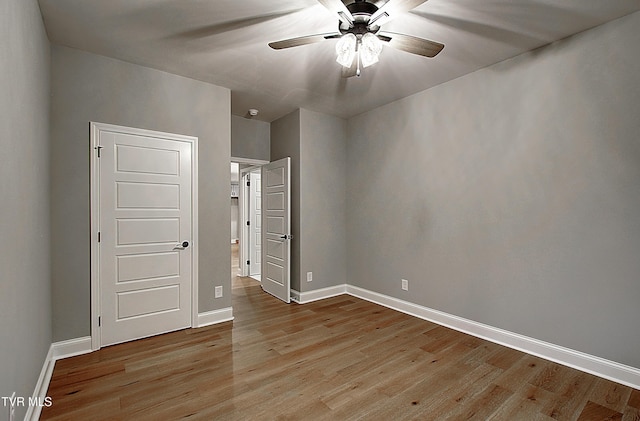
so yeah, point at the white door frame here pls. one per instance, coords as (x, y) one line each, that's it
(243, 194)
(94, 171)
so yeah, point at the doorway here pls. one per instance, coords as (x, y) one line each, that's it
(264, 227)
(245, 221)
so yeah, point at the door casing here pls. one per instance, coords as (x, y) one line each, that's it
(95, 129)
(243, 213)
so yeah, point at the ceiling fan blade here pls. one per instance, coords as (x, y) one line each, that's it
(513, 37)
(338, 7)
(392, 8)
(296, 42)
(211, 30)
(412, 44)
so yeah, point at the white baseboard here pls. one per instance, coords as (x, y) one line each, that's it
(317, 294)
(42, 385)
(57, 351)
(216, 316)
(601, 367)
(71, 348)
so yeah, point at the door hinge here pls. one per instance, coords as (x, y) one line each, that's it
(248, 183)
(248, 262)
(99, 148)
(98, 236)
(99, 321)
(248, 223)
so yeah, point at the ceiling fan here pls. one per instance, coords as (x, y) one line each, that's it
(360, 39)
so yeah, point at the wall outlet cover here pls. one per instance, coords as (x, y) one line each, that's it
(309, 276)
(218, 292)
(405, 285)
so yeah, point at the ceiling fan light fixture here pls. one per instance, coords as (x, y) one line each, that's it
(359, 42)
(370, 49)
(346, 49)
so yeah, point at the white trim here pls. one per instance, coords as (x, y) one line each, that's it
(71, 348)
(244, 194)
(42, 385)
(194, 230)
(213, 317)
(620, 373)
(94, 214)
(317, 294)
(57, 351)
(95, 129)
(250, 161)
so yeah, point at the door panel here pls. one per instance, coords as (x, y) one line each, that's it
(148, 301)
(275, 224)
(275, 249)
(145, 274)
(255, 227)
(140, 267)
(277, 229)
(147, 160)
(146, 195)
(137, 231)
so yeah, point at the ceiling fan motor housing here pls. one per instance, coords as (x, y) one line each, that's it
(362, 8)
(361, 11)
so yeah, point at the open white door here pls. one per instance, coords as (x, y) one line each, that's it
(276, 229)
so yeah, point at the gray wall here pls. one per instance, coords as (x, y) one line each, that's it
(25, 287)
(323, 172)
(250, 138)
(511, 196)
(285, 142)
(87, 87)
(316, 144)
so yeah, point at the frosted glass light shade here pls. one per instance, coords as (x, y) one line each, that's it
(370, 49)
(346, 49)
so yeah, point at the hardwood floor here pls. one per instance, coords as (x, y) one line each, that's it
(235, 262)
(337, 359)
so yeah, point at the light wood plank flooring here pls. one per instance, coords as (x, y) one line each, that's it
(337, 359)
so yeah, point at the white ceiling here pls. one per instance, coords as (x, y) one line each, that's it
(224, 42)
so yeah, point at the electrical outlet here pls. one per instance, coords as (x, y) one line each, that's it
(12, 407)
(309, 276)
(405, 285)
(218, 292)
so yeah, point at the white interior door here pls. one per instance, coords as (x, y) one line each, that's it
(276, 228)
(145, 224)
(255, 225)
